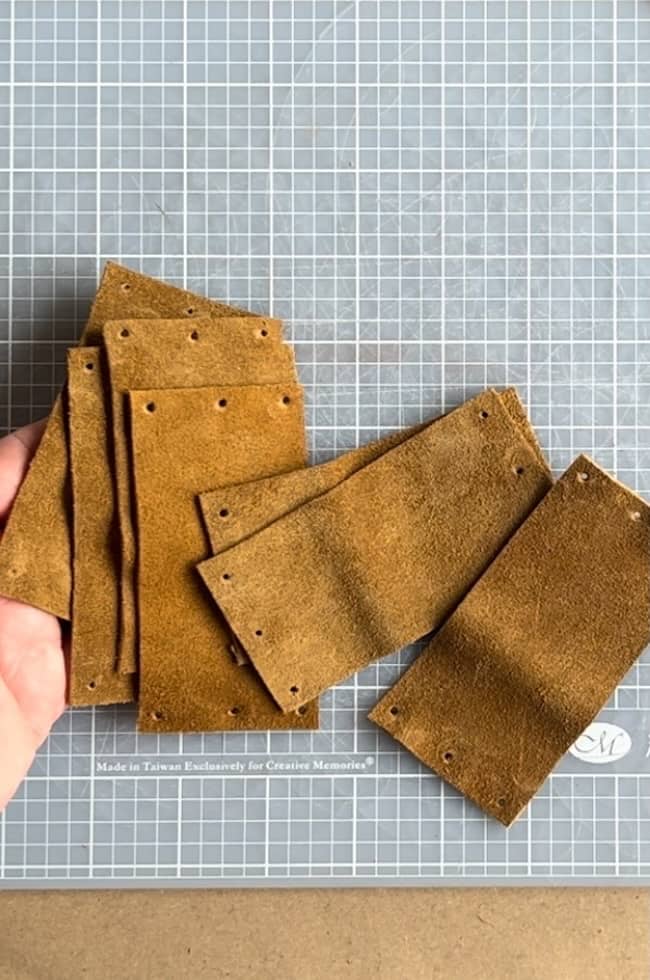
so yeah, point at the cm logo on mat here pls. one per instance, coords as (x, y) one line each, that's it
(601, 742)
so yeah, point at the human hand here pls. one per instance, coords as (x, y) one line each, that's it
(32, 667)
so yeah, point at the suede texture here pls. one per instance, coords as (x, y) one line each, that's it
(95, 601)
(183, 442)
(36, 545)
(535, 649)
(233, 513)
(381, 559)
(236, 512)
(515, 408)
(177, 354)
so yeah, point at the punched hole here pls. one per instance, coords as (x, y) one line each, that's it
(226, 576)
(194, 335)
(518, 470)
(483, 414)
(157, 715)
(224, 512)
(126, 286)
(302, 710)
(394, 710)
(92, 685)
(222, 402)
(448, 756)
(294, 689)
(234, 710)
(90, 366)
(189, 310)
(124, 333)
(264, 332)
(583, 477)
(258, 633)
(150, 407)
(286, 400)
(501, 801)
(635, 515)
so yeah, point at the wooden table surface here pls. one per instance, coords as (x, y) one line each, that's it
(406, 934)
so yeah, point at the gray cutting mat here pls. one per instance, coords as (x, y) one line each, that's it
(436, 196)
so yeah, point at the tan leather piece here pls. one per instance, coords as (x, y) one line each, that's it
(185, 441)
(517, 412)
(36, 546)
(126, 293)
(235, 512)
(34, 556)
(381, 559)
(535, 649)
(177, 354)
(95, 602)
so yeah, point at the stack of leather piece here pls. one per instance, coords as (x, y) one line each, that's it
(213, 577)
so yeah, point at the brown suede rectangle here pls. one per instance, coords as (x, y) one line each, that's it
(178, 354)
(95, 602)
(126, 293)
(382, 558)
(36, 545)
(236, 512)
(183, 442)
(535, 649)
